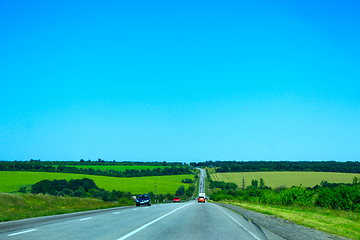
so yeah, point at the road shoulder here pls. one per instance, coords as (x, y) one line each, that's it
(282, 227)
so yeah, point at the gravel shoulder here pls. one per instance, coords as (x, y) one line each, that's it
(282, 227)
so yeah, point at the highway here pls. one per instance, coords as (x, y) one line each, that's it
(186, 220)
(202, 180)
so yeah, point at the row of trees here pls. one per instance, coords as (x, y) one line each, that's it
(330, 196)
(78, 188)
(262, 166)
(181, 191)
(111, 163)
(38, 166)
(223, 185)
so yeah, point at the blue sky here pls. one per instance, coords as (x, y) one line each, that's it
(180, 80)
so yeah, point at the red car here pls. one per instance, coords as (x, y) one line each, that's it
(176, 199)
(201, 199)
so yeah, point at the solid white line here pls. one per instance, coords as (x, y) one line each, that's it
(239, 224)
(116, 212)
(13, 234)
(83, 219)
(149, 223)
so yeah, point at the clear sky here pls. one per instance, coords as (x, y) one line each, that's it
(180, 80)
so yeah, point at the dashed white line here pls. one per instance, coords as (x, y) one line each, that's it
(134, 209)
(84, 219)
(13, 234)
(116, 212)
(149, 223)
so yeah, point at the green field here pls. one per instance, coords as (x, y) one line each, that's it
(120, 168)
(12, 181)
(287, 179)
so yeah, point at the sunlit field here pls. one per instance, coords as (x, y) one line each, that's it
(287, 179)
(12, 181)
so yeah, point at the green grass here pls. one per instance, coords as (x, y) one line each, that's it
(20, 206)
(12, 181)
(287, 179)
(120, 168)
(342, 223)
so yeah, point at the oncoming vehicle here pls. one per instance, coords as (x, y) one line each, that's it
(176, 199)
(201, 199)
(143, 199)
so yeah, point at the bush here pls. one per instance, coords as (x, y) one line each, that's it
(180, 191)
(297, 195)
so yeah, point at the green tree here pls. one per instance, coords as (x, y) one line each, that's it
(355, 181)
(180, 191)
(262, 183)
(255, 183)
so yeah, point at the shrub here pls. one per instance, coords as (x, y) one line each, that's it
(180, 191)
(297, 195)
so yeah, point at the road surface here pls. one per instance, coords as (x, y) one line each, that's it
(202, 176)
(188, 220)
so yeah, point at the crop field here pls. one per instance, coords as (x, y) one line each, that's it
(120, 168)
(287, 179)
(12, 181)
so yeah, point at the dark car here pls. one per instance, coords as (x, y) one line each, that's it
(143, 199)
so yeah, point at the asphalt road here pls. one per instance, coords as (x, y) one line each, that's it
(188, 220)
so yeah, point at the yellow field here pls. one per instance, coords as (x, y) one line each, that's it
(12, 181)
(287, 179)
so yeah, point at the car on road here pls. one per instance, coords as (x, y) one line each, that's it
(143, 199)
(201, 199)
(176, 199)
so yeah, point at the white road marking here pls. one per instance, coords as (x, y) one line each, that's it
(239, 224)
(83, 219)
(116, 212)
(13, 234)
(149, 223)
(134, 209)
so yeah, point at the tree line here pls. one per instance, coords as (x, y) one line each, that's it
(78, 188)
(87, 188)
(263, 166)
(38, 166)
(326, 195)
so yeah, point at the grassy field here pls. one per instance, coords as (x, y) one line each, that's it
(20, 206)
(341, 223)
(287, 179)
(12, 181)
(119, 168)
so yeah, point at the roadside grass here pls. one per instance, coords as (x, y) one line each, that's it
(120, 168)
(287, 179)
(337, 222)
(11, 181)
(20, 206)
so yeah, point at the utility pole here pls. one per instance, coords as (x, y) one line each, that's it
(243, 184)
(155, 192)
